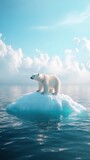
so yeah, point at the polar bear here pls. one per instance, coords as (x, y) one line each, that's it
(47, 83)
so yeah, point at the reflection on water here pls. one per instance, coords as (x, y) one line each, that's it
(56, 139)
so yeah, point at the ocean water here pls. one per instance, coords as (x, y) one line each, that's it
(64, 138)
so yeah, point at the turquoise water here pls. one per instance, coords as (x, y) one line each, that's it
(65, 138)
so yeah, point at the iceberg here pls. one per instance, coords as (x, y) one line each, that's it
(36, 105)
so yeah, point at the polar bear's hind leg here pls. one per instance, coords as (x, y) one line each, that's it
(57, 89)
(51, 90)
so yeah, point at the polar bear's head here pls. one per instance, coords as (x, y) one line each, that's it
(38, 77)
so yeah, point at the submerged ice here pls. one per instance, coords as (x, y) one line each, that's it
(38, 105)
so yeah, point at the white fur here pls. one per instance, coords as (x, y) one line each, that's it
(47, 83)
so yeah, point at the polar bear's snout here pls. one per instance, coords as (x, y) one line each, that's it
(31, 77)
(35, 76)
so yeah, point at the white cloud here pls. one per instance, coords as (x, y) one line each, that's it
(76, 50)
(84, 42)
(3, 49)
(68, 51)
(77, 39)
(16, 68)
(68, 20)
(76, 18)
(0, 35)
(41, 27)
(88, 65)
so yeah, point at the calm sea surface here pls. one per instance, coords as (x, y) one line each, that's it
(57, 139)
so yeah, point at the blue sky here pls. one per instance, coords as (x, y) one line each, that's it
(45, 27)
(32, 24)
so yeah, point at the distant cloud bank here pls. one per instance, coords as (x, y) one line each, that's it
(16, 68)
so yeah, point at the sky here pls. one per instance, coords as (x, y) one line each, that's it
(46, 36)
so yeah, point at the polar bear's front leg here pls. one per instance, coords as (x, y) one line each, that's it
(45, 89)
(40, 87)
